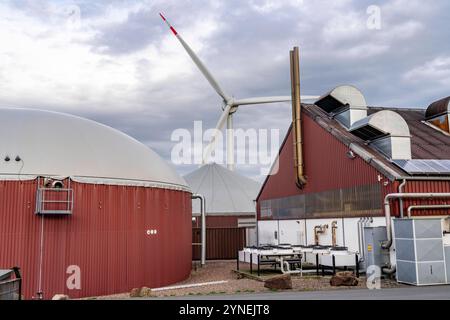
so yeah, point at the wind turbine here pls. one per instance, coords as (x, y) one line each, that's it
(230, 104)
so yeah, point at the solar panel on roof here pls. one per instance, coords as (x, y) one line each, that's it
(424, 167)
(368, 133)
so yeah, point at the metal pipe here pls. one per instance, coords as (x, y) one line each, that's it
(39, 293)
(297, 118)
(425, 207)
(230, 143)
(343, 232)
(333, 233)
(306, 233)
(390, 270)
(203, 215)
(363, 240)
(358, 224)
(367, 223)
(400, 190)
(319, 230)
(424, 178)
(387, 208)
(363, 225)
(362, 222)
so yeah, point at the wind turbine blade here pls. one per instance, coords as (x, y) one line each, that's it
(262, 100)
(198, 63)
(259, 100)
(220, 124)
(309, 97)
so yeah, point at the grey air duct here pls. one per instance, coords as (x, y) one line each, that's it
(387, 132)
(345, 103)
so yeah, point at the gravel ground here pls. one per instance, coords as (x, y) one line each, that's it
(223, 270)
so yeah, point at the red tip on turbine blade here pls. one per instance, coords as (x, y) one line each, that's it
(171, 28)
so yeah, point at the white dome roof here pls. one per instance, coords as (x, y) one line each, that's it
(61, 145)
(226, 192)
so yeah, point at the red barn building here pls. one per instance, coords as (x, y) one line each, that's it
(353, 157)
(85, 210)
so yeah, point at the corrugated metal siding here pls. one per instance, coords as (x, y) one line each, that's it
(106, 237)
(427, 186)
(18, 246)
(221, 243)
(327, 167)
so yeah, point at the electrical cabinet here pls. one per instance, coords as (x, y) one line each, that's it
(374, 254)
(420, 252)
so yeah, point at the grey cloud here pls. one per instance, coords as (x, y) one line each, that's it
(132, 35)
(248, 53)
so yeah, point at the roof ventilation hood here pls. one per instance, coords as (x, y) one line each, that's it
(386, 131)
(346, 103)
(438, 114)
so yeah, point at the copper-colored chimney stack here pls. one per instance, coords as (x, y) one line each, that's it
(297, 118)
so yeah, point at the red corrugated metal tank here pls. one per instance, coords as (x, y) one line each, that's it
(130, 225)
(106, 237)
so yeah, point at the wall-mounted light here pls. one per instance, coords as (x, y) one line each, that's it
(57, 184)
(351, 154)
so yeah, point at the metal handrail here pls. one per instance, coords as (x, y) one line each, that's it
(41, 201)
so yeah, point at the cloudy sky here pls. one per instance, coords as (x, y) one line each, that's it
(117, 63)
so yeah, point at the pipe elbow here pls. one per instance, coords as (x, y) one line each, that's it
(391, 270)
(387, 244)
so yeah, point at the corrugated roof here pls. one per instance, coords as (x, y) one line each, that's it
(426, 142)
(226, 192)
(438, 108)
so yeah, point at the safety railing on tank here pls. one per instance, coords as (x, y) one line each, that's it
(54, 201)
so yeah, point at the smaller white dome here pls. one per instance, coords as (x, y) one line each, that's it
(43, 143)
(226, 192)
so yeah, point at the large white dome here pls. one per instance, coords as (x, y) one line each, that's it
(61, 145)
